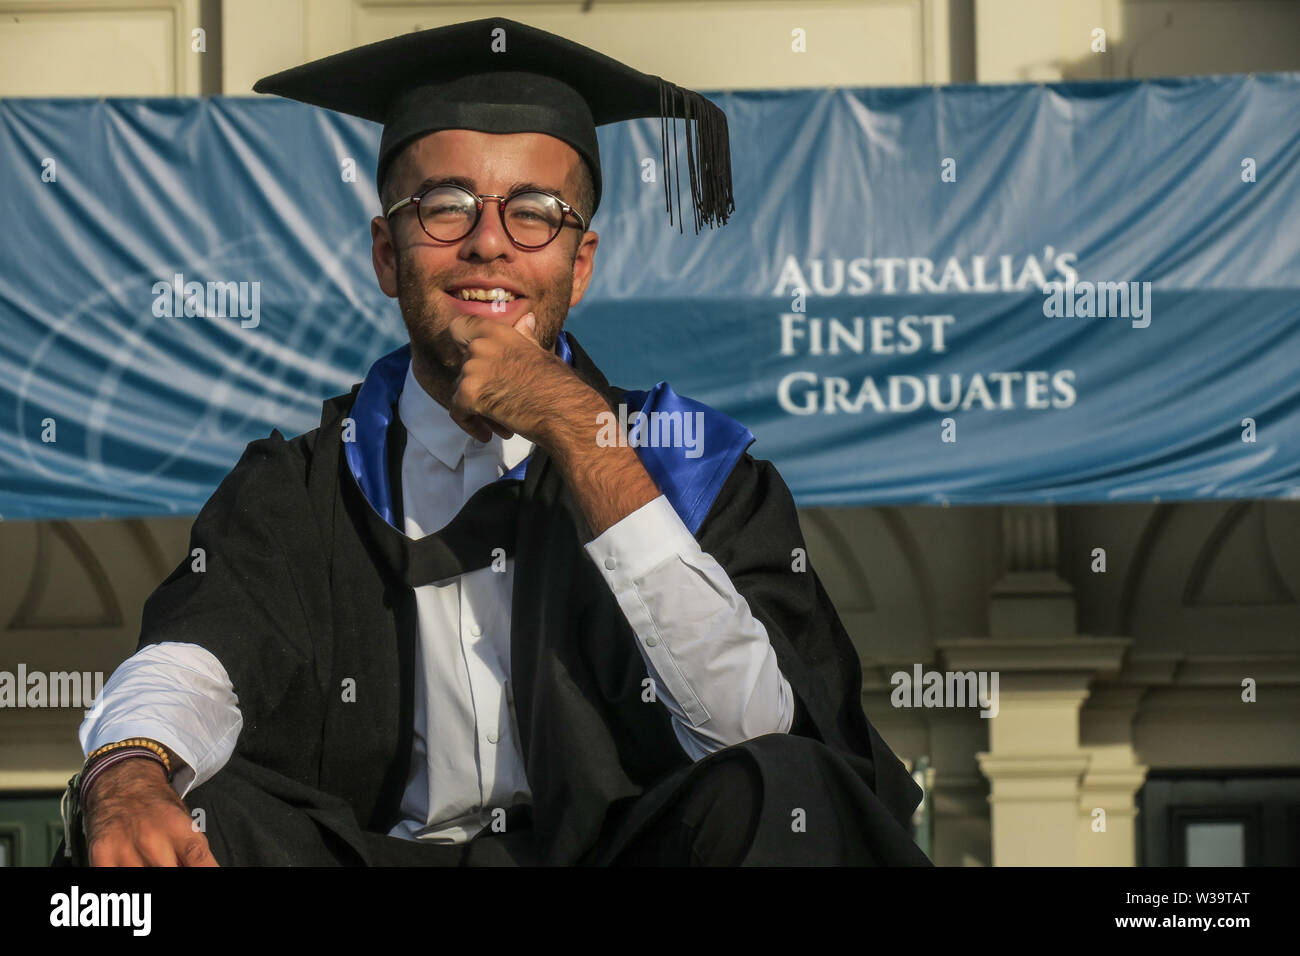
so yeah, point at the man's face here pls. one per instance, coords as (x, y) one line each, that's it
(421, 272)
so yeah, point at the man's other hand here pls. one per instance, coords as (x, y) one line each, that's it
(134, 818)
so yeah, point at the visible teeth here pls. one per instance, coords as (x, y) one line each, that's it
(486, 295)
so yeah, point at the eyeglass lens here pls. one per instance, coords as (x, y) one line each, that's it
(448, 213)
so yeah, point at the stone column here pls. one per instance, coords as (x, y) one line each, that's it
(1108, 791)
(1039, 774)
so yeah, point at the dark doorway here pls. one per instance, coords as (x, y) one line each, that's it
(1244, 818)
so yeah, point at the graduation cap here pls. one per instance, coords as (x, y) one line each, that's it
(499, 76)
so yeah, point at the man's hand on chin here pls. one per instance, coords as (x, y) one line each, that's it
(509, 379)
(509, 384)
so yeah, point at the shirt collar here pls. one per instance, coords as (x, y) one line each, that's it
(426, 420)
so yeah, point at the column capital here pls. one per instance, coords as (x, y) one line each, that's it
(1093, 656)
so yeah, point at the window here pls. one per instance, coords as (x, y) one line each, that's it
(1212, 843)
(1199, 818)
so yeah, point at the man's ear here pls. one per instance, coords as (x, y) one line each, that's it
(584, 263)
(383, 255)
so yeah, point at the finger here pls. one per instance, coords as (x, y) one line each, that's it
(490, 424)
(465, 328)
(98, 854)
(498, 428)
(493, 426)
(527, 327)
(112, 851)
(482, 430)
(157, 851)
(459, 412)
(478, 426)
(195, 851)
(471, 423)
(124, 856)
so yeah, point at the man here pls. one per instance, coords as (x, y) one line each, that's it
(462, 622)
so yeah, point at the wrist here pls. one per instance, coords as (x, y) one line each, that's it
(575, 432)
(137, 762)
(163, 754)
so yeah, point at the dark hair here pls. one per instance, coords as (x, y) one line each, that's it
(586, 191)
(392, 176)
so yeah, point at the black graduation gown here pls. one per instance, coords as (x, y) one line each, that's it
(305, 592)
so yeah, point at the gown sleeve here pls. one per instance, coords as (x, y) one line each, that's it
(252, 591)
(752, 530)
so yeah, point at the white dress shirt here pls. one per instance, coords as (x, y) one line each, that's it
(711, 662)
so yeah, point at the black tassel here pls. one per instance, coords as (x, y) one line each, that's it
(663, 148)
(708, 156)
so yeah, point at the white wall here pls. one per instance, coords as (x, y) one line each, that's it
(88, 48)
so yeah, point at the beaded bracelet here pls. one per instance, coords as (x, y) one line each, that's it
(152, 746)
(93, 773)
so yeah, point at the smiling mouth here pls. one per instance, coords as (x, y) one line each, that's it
(476, 294)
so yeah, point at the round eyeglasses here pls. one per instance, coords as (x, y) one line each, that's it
(449, 213)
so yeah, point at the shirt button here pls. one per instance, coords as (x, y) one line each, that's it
(611, 563)
(492, 737)
(651, 641)
(476, 630)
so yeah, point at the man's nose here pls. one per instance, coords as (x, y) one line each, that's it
(488, 240)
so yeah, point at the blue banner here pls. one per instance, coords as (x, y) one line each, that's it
(1036, 293)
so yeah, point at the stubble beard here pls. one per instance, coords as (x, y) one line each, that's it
(428, 316)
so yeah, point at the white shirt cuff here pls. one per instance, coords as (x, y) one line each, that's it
(177, 694)
(641, 541)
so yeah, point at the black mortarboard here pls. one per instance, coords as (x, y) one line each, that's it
(519, 80)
